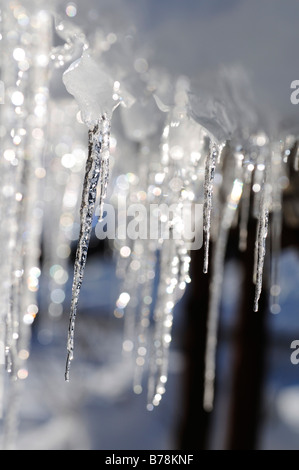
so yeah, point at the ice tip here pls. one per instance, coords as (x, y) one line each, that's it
(206, 264)
(67, 371)
(68, 366)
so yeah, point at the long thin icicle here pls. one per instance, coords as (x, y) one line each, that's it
(96, 171)
(262, 232)
(216, 289)
(208, 196)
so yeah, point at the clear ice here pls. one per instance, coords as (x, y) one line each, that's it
(96, 173)
(208, 199)
(168, 147)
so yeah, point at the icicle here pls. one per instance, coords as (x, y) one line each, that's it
(261, 188)
(96, 172)
(262, 232)
(215, 291)
(259, 178)
(208, 196)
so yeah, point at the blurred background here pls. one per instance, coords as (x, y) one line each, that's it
(257, 387)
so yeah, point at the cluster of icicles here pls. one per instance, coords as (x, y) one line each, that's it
(175, 147)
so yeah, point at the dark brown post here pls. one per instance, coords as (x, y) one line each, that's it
(249, 359)
(193, 433)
